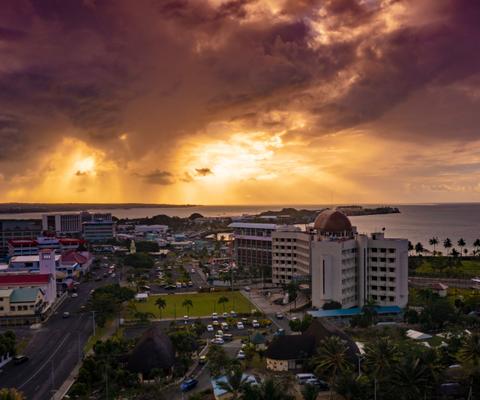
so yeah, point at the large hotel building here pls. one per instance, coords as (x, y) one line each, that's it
(352, 268)
(342, 265)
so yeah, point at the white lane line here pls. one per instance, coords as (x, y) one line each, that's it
(46, 362)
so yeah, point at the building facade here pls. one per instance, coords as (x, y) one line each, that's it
(253, 247)
(351, 268)
(290, 255)
(17, 229)
(62, 223)
(98, 230)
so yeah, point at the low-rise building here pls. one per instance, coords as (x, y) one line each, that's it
(22, 302)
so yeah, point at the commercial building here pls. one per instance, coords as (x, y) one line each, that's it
(17, 229)
(22, 302)
(290, 255)
(253, 246)
(62, 223)
(98, 230)
(351, 268)
(27, 247)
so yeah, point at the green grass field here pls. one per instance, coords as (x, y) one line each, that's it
(204, 304)
(438, 267)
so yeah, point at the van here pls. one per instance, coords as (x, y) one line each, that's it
(303, 378)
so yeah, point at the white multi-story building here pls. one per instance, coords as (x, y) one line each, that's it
(352, 268)
(290, 255)
(62, 223)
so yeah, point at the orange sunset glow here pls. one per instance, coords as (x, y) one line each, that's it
(240, 102)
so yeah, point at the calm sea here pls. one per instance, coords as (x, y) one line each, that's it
(417, 223)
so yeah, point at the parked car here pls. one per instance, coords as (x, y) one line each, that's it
(318, 383)
(66, 314)
(225, 315)
(279, 315)
(214, 315)
(227, 337)
(216, 323)
(74, 295)
(241, 355)
(188, 384)
(218, 340)
(186, 318)
(255, 324)
(220, 333)
(190, 283)
(247, 288)
(202, 360)
(233, 314)
(210, 328)
(20, 359)
(224, 326)
(240, 325)
(280, 332)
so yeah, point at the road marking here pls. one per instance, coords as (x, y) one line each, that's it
(46, 362)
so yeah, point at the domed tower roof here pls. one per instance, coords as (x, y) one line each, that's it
(332, 221)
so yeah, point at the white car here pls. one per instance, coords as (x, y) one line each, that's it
(74, 294)
(255, 324)
(214, 315)
(225, 315)
(240, 325)
(219, 333)
(224, 326)
(209, 328)
(218, 341)
(241, 355)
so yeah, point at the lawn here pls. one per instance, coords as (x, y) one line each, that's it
(204, 304)
(446, 267)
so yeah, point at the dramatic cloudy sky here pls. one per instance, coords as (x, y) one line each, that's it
(240, 101)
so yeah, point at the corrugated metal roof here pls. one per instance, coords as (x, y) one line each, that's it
(252, 225)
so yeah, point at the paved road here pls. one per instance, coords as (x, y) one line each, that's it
(54, 349)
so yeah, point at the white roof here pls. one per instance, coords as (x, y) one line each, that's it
(252, 225)
(25, 259)
(141, 296)
(416, 335)
(361, 347)
(5, 292)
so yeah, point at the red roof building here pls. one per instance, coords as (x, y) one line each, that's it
(24, 279)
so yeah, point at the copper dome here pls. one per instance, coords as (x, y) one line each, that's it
(332, 221)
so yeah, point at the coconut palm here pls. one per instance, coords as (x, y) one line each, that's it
(11, 394)
(161, 304)
(380, 356)
(476, 244)
(187, 303)
(419, 248)
(469, 357)
(235, 383)
(461, 243)
(331, 359)
(411, 379)
(433, 242)
(447, 243)
(223, 300)
(271, 389)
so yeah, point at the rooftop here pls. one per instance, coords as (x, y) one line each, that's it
(23, 279)
(332, 221)
(350, 312)
(24, 295)
(29, 259)
(252, 225)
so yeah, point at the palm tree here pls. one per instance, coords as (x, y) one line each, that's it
(161, 304)
(447, 243)
(380, 356)
(11, 394)
(331, 359)
(410, 246)
(476, 244)
(433, 242)
(411, 378)
(187, 303)
(235, 384)
(461, 243)
(271, 389)
(454, 252)
(469, 357)
(223, 300)
(419, 248)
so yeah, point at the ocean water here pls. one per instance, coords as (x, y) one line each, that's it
(417, 223)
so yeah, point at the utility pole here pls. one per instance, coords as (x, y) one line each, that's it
(93, 321)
